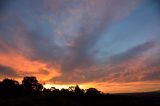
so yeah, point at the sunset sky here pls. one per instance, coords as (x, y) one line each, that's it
(112, 45)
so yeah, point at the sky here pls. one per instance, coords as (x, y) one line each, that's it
(112, 45)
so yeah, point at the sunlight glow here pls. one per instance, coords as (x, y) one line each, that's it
(58, 86)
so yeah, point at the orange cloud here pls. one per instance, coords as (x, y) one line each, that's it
(115, 87)
(26, 67)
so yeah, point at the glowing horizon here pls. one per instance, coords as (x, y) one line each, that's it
(111, 87)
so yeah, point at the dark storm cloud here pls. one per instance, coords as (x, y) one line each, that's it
(7, 72)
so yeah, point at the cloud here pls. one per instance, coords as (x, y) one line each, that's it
(53, 40)
(33, 37)
(134, 65)
(7, 72)
(93, 17)
(146, 86)
(26, 67)
(3, 5)
(135, 52)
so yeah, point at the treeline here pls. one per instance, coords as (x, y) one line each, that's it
(32, 93)
(30, 87)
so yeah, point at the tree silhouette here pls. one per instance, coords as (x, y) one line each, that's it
(92, 92)
(31, 84)
(9, 87)
(78, 91)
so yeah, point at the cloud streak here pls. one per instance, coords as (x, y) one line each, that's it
(7, 72)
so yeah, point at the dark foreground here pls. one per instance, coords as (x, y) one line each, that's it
(32, 93)
(74, 100)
